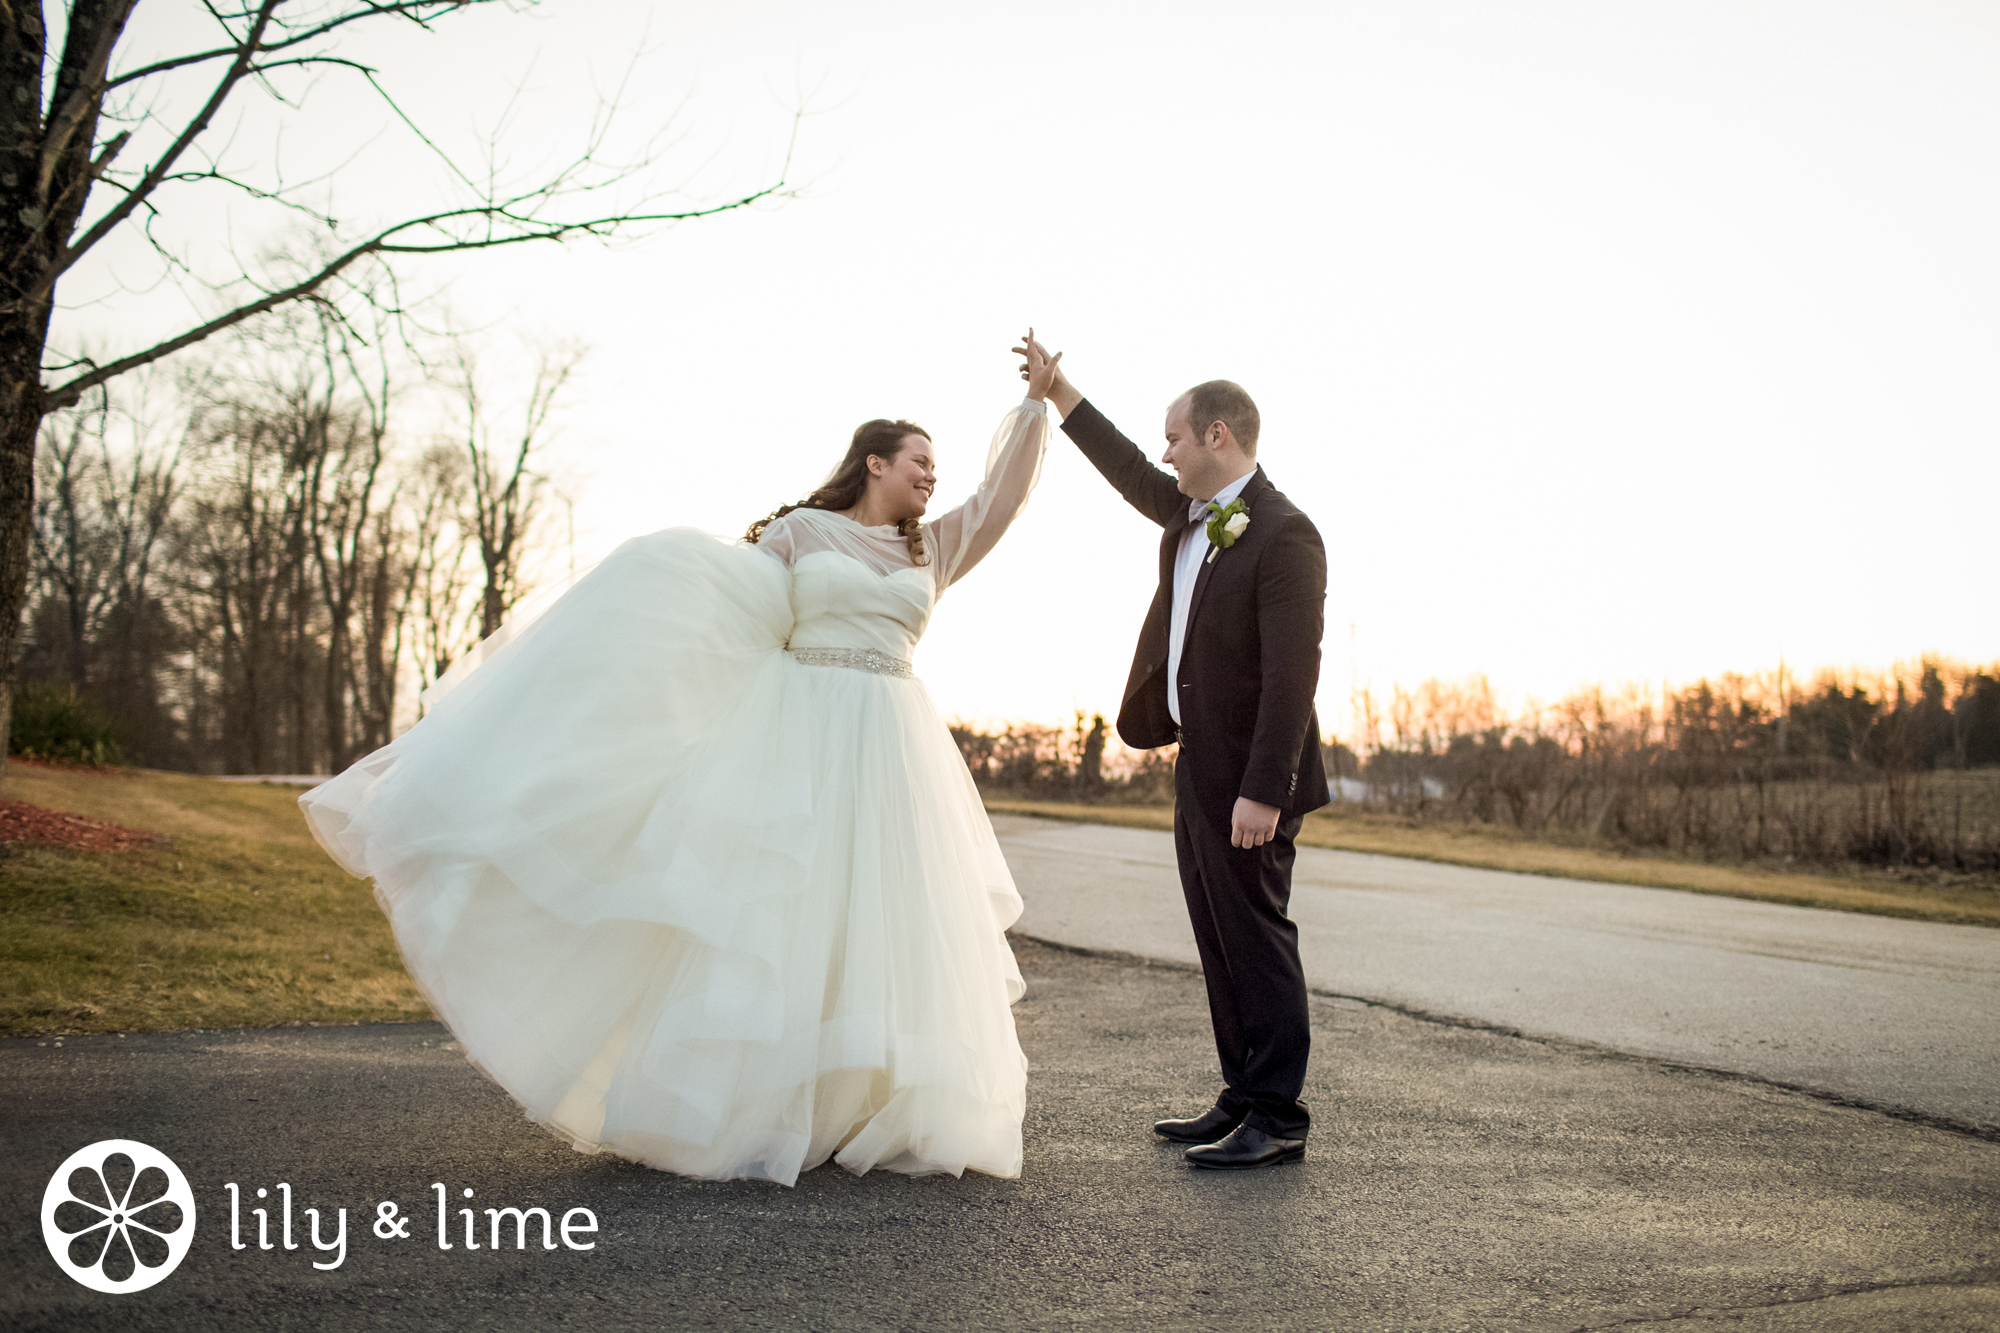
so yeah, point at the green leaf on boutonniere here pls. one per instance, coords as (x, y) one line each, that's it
(1228, 522)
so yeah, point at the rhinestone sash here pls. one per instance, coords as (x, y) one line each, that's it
(858, 659)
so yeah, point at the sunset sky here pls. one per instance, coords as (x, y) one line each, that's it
(1604, 341)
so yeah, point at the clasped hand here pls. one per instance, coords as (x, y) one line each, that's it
(1040, 371)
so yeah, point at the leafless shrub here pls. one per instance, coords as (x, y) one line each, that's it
(1083, 763)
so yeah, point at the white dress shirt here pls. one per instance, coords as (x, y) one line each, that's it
(1187, 568)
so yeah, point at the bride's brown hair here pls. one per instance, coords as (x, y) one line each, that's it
(844, 485)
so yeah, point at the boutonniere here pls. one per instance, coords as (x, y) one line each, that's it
(1227, 523)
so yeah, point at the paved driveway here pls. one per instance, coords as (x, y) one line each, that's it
(1895, 1014)
(1455, 1179)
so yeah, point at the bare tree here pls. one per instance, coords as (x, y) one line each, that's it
(246, 586)
(100, 517)
(294, 551)
(65, 196)
(69, 546)
(439, 569)
(388, 590)
(504, 494)
(346, 515)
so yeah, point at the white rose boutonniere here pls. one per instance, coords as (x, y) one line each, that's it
(1228, 523)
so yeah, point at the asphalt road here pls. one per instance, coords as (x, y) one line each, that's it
(1894, 1014)
(1456, 1178)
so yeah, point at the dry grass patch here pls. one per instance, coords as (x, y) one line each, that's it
(242, 920)
(1921, 897)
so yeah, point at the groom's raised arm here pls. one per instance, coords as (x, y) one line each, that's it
(1146, 488)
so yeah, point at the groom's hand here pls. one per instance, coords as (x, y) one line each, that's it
(1063, 394)
(1253, 823)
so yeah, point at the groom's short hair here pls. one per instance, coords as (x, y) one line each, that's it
(1224, 401)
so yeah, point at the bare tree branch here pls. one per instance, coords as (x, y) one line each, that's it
(104, 226)
(422, 12)
(77, 107)
(385, 243)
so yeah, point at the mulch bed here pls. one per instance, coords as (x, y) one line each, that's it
(58, 766)
(21, 822)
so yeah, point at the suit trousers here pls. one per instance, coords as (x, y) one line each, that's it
(1236, 899)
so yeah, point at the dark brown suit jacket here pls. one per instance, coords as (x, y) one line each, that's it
(1250, 663)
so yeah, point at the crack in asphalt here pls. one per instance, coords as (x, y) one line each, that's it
(1985, 1279)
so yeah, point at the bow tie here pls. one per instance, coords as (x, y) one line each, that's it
(1201, 511)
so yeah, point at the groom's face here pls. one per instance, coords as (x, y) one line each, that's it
(1187, 456)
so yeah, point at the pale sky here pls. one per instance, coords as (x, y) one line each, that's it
(1604, 341)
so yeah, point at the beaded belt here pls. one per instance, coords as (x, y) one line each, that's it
(859, 659)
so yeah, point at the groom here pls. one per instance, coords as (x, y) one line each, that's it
(1228, 663)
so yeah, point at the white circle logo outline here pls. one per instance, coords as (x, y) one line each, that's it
(117, 1218)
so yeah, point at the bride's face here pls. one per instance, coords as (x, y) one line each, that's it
(901, 486)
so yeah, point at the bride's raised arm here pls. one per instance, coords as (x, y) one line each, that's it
(960, 539)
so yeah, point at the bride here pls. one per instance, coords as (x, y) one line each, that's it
(689, 862)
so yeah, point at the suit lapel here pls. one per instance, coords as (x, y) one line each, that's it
(1217, 555)
(1159, 621)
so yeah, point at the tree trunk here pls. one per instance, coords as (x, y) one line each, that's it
(20, 426)
(493, 606)
(45, 178)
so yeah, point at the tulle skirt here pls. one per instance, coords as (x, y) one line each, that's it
(692, 902)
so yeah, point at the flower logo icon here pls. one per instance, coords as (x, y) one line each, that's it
(118, 1216)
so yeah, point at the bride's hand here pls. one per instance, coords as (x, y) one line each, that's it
(1040, 371)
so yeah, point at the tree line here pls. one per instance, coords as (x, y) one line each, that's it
(1081, 762)
(256, 565)
(1896, 767)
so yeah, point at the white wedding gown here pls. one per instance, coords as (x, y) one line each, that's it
(692, 867)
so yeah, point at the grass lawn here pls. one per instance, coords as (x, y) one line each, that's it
(241, 920)
(1922, 897)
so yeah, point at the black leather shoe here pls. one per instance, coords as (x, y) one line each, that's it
(1246, 1149)
(1202, 1129)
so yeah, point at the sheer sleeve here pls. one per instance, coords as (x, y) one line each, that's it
(960, 539)
(780, 540)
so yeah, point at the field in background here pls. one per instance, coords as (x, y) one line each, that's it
(1863, 790)
(1917, 895)
(242, 919)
